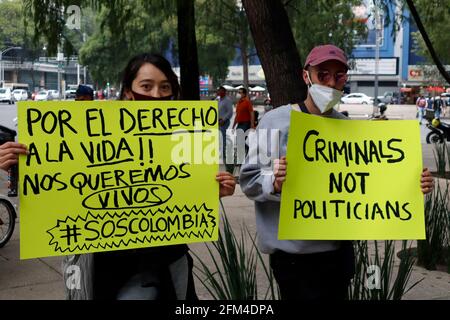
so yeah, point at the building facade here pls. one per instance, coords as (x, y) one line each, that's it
(42, 74)
(398, 68)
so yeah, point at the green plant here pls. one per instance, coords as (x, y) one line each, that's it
(434, 249)
(440, 153)
(447, 146)
(233, 275)
(379, 272)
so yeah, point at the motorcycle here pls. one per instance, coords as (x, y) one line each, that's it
(8, 213)
(439, 133)
(382, 107)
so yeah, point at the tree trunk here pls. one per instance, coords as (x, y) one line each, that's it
(244, 58)
(427, 41)
(277, 50)
(187, 45)
(243, 46)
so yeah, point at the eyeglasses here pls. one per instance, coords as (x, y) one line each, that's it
(325, 76)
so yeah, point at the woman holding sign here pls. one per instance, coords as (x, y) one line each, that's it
(304, 269)
(149, 273)
(157, 272)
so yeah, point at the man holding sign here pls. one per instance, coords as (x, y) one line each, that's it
(304, 269)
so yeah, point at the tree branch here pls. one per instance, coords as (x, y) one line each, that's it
(427, 41)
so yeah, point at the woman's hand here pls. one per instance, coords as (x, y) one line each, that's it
(227, 183)
(9, 154)
(426, 181)
(279, 171)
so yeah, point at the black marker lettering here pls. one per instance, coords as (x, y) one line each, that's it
(309, 133)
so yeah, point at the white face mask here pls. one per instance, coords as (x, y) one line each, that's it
(325, 98)
(238, 96)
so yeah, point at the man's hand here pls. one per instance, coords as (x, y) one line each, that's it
(227, 183)
(426, 181)
(279, 171)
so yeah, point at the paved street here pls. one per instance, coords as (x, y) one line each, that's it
(7, 113)
(42, 278)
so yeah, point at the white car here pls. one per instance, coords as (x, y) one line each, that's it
(43, 95)
(71, 93)
(6, 95)
(20, 94)
(357, 98)
(54, 93)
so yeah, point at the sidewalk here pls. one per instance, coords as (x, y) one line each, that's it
(42, 278)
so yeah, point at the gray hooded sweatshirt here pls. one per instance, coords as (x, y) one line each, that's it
(256, 181)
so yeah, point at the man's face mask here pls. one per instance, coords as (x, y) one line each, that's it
(325, 98)
(139, 97)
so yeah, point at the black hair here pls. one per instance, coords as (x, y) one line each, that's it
(221, 88)
(244, 91)
(133, 66)
(83, 90)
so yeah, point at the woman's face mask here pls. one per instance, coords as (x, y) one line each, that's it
(139, 97)
(325, 98)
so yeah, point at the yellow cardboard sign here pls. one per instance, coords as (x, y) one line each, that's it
(349, 180)
(113, 175)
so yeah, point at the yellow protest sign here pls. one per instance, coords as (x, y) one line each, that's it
(349, 180)
(113, 175)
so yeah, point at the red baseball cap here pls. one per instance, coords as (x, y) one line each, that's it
(324, 53)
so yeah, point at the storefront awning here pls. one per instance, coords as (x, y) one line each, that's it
(435, 89)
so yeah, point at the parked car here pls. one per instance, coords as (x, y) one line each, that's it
(6, 95)
(389, 97)
(71, 93)
(43, 95)
(20, 94)
(357, 98)
(54, 93)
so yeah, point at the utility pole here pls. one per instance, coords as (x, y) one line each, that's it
(377, 58)
(59, 60)
(243, 38)
(78, 73)
(399, 53)
(84, 68)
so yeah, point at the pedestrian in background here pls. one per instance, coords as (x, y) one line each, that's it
(84, 93)
(421, 103)
(245, 117)
(430, 102)
(225, 114)
(446, 103)
(438, 105)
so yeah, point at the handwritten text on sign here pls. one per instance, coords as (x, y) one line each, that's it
(117, 175)
(352, 180)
